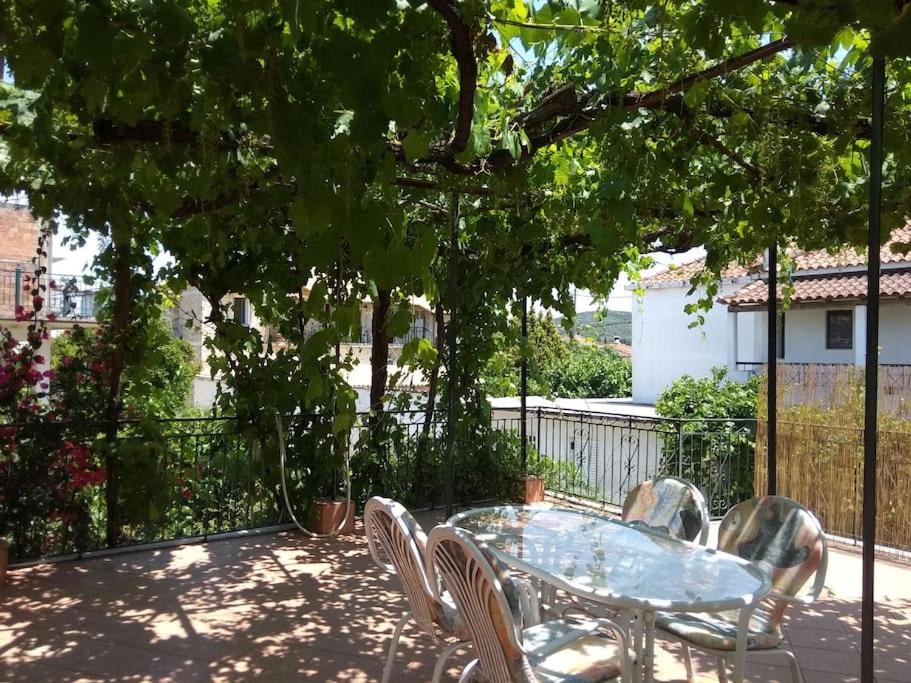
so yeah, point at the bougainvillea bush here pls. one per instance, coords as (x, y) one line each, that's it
(48, 474)
(53, 442)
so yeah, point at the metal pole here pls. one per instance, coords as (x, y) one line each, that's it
(871, 393)
(523, 381)
(453, 355)
(772, 375)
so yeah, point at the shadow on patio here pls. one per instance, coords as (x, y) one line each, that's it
(284, 607)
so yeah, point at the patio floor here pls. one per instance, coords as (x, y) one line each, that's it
(284, 607)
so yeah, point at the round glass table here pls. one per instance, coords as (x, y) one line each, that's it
(623, 566)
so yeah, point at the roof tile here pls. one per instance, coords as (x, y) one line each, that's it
(803, 260)
(824, 289)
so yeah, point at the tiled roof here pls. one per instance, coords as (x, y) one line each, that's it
(686, 271)
(803, 260)
(824, 289)
(846, 258)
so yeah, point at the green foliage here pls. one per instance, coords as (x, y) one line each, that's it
(591, 372)
(716, 437)
(713, 397)
(556, 367)
(603, 326)
(276, 147)
(155, 385)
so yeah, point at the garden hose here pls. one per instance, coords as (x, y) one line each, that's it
(282, 464)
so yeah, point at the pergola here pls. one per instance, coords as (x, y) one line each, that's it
(874, 243)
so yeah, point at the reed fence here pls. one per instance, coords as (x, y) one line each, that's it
(820, 448)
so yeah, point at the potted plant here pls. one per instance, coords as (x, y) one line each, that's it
(327, 516)
(531, 486)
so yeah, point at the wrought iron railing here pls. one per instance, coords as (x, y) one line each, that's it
(417, 331)
(70, 297)
(197, 477)
(602, 457)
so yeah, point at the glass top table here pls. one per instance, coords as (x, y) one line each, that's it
(611, 562)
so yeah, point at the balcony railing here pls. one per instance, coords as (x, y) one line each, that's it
(68, 297)
(193, 478)
(418, 331)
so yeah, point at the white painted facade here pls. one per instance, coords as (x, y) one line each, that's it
(665, 347)
(189, 322)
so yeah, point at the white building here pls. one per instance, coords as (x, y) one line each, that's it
(823, 324)
(196, 310)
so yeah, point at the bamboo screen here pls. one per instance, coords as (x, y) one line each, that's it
(820, 447)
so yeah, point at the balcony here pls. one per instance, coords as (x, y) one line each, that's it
(68, 297)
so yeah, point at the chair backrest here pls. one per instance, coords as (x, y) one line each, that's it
(486, 598)
(783, 538)
(669, 504)
(397, 543)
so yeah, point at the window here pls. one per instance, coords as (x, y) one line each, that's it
(240, 310)
(781, 336)
(839, 329)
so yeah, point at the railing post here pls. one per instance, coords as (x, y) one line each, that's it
(18, 288)
(680, 448)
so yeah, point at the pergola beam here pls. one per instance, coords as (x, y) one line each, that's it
(871, 392)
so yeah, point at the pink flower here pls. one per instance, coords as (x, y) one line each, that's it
(53, 284)
(52, 316)
(21, 315)
(38, 301)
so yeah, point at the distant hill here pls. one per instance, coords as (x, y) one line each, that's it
(603, 326)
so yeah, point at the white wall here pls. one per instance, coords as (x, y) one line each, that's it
(805, 337)
(665, 348)
(895, 333)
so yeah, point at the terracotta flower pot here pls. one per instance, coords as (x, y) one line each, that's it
(327, 516)
(4, 559)
(532, 489)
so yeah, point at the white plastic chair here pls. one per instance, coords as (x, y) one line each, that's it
(490, 602)
(786, 541)
(669, 504)
(397, 544)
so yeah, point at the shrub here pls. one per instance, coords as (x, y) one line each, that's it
(716, 441)
(591, 372)
(556, 367)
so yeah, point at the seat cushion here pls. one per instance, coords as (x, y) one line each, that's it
(589, 659)
(715, 631)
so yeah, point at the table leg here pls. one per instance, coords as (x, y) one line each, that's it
(633, 622)
(649, 654)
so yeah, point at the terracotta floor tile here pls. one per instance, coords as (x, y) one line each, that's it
(285, 607)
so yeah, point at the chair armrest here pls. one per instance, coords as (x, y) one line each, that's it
(528, 600)
(589, 611)
(791, 599)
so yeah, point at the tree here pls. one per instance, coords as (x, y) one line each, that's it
(156, 381)
(274, 148)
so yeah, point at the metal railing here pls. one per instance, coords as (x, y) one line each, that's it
(192, 478)
(419, 331)
(602, 457)
(70, 297)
